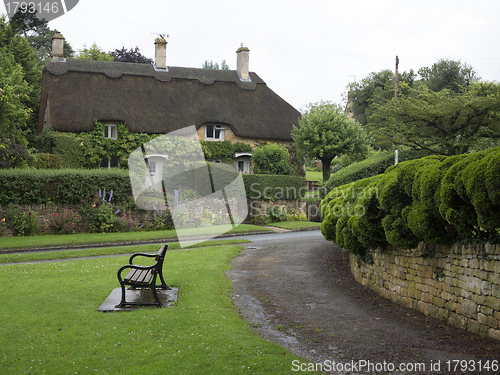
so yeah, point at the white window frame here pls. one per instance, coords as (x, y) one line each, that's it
(110, 131)
(220, 128)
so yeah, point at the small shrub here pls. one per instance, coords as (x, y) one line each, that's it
(276, 213)
(272, 159)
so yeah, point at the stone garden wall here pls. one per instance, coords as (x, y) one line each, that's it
(458, 284)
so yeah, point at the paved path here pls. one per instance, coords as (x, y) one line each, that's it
(300, 293)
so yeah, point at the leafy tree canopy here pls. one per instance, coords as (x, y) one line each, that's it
(439, 122)
(24, 56)
(213, 65)
(93, 53)
(325, 132)
(448, 74)
(131, 56)
(379, 87)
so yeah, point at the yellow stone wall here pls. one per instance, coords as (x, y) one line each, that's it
(458, 284)
(230, 136)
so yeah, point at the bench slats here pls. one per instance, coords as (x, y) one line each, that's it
(142, 277)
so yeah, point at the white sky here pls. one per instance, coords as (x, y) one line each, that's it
(305, 51)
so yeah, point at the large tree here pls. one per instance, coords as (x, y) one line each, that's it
(441, 122)
(24, 56)
(130, 56)
(325, 132)
(14, 113)
(375, 88)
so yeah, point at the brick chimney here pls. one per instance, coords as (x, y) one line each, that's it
(161, 53)
(57, 47)
(242, 66)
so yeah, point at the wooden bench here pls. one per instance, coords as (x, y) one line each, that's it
(143, 277)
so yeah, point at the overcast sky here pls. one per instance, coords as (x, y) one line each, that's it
(306, 51)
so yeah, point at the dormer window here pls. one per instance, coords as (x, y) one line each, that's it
(110, 131)
(214, 132)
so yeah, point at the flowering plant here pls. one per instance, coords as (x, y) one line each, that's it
(66, 221)
(24, 223)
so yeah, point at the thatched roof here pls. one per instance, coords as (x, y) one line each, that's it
(152, 101)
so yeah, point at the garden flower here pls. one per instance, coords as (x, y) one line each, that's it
(3, 219)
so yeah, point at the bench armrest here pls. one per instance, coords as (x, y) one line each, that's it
(142, 255)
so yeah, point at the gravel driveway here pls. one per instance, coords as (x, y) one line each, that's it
(303, 297)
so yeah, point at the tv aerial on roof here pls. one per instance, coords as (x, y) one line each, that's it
(162, 35)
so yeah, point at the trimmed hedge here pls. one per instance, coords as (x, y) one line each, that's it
(62, 186)
(71, 185)
(435, 199)
(371, 166)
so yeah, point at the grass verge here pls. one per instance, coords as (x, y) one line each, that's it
(50, 323)
(296, 224)
(101, 251)
(107, 238)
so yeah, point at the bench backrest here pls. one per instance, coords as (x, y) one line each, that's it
(161, 253)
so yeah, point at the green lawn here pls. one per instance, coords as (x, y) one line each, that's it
(31, 256)
(296, 224)
(314, 176)
(68, 240)
(50, 322)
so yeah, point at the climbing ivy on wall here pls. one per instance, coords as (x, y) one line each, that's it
(223, 150)
(87, 149)
(97, 147)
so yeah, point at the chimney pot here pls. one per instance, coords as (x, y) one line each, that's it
(161, 53)
(242, 63)
(57, 47)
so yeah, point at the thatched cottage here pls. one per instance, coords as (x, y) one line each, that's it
(234, 105)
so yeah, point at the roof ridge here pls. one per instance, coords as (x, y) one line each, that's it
(114, 69)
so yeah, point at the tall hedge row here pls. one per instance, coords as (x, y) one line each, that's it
(71, 185)
(435, 199)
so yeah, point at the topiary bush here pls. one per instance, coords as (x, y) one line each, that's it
(435, 199)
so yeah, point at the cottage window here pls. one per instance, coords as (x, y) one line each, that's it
(110, 131)
(110, 163)
(214, 132)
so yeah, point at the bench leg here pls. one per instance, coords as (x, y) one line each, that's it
(163, 283)
(122, 302)
(155, 295)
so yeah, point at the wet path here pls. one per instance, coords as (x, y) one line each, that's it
(298, 292)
